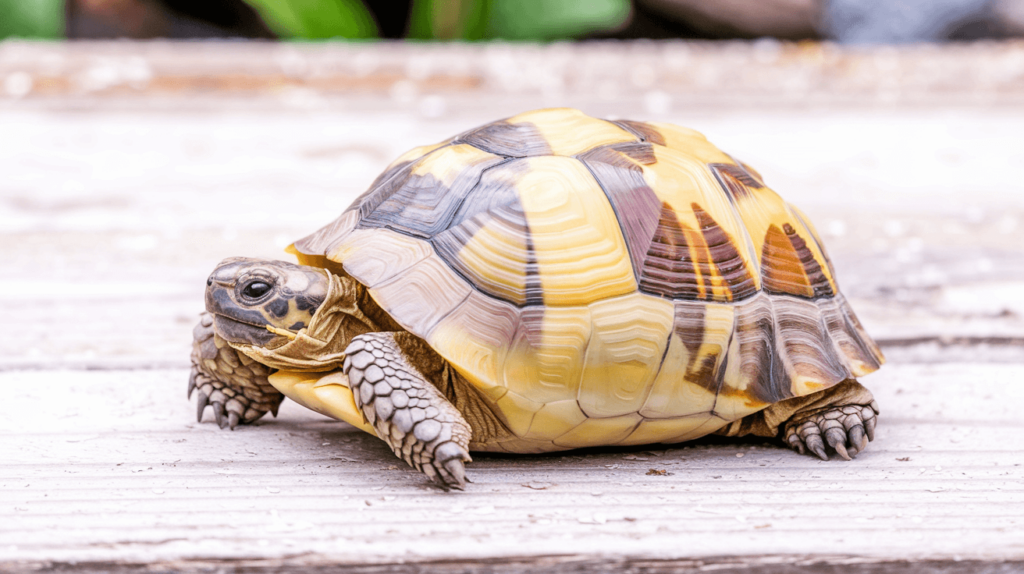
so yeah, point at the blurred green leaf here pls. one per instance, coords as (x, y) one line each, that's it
(316, 19)
(554, 19)
(514, 19)
(31, 18)
(449, 19)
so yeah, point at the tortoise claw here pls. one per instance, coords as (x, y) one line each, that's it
(201, 403)
(232, 420)
(836, 439)
(858, 439)
(847, 429)
(218, 412)
(192, 382)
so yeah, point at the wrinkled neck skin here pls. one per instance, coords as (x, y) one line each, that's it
(320, 346)
(289, 316)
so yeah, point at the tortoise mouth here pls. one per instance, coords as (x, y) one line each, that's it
(236, 331)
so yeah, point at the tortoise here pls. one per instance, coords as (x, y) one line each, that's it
(546, 282)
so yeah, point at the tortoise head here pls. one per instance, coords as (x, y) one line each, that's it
(260, 302)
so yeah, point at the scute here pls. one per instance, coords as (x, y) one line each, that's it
(600, 282)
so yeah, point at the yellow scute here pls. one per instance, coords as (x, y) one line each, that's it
(580, 252)
(570, 132)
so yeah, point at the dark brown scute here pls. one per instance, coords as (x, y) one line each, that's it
(735, 180)
(725, 256)
(507, 139)
(635, 204)
(668, 269)
(644, 131)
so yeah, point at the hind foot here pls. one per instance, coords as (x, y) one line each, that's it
(846, 429)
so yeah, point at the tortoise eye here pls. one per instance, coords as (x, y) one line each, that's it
(256, 289)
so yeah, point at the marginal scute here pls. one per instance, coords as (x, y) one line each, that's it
(810, 360)
(669, 430)
(861, 353)
(753, 371)
(375, 256)
(323, 240)
(475, 338)
(518, 412)
(555, 419)
(598, 432)
(420, 297)
(625, 352)
(691, 372)
(546, 357)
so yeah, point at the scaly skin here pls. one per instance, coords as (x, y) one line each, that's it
(846, 428)
(408, 412)
(232, 383)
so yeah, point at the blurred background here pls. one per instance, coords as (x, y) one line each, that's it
(847, 21)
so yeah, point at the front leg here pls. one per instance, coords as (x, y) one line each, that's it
(407, 410)
(232, 383)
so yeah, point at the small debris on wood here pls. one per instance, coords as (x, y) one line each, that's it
(658, 472)
(538, 485)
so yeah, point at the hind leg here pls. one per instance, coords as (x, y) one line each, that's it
(841, 418)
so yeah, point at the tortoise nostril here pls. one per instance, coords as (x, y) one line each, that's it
(209, 281)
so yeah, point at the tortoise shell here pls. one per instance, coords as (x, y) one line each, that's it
(601, 282)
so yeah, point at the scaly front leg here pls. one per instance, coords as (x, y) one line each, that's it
(408, 411)
(232, 383)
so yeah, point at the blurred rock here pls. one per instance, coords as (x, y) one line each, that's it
(888, 21)
(787, 19)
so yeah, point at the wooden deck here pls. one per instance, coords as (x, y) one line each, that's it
(129, 170)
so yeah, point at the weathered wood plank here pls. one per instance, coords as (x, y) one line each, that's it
(111, 466)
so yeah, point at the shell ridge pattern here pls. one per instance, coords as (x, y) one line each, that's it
(423, 196)
(470, 237)
(554, 314)
(444, 316)
(381, 181)
(623, 223)
(748, 241)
